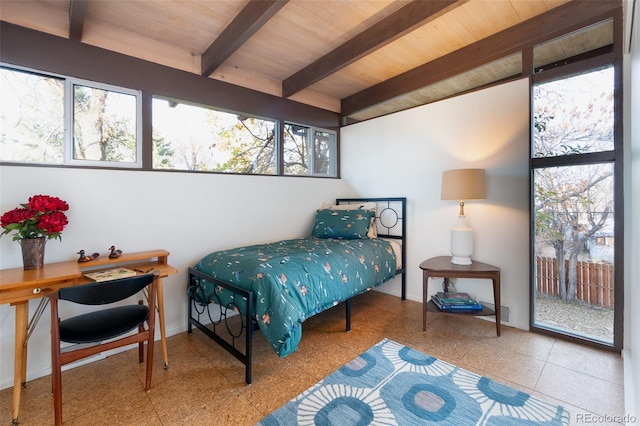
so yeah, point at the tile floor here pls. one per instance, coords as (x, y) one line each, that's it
(204, 385)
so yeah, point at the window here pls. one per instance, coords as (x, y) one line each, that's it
(105, 125)
(31, 118)
(187, 136)
(574, 115)
(574, 206)
(56, 120)
(299, 141)
(195, 137)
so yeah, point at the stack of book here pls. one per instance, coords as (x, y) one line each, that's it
(455, 302)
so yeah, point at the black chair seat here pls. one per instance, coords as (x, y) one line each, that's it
(102, 325)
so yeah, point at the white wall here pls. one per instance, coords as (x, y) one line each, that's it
(188, 214)
(631, 351)
(193, 214)
(404, 154)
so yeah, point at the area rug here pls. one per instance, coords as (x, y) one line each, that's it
(391, 384)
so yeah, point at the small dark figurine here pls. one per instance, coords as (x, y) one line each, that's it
(114, 253)
(84, 258)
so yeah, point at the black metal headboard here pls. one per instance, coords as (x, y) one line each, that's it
(390, 222)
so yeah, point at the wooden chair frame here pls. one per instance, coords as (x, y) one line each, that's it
(60, 358)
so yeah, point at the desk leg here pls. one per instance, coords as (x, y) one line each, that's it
(496, 300)
(425, 290)
(20, 361)
(163, 336)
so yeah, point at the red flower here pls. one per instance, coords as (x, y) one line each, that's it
(46, 203)
(16, 216)
(42, 216)
(52, 222)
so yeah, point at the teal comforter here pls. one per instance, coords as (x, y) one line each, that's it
(293, 280)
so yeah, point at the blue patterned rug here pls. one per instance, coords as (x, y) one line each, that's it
(391, 384)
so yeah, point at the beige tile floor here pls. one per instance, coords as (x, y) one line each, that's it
(205, 386)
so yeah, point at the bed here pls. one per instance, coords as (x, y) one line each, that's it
(356, 244)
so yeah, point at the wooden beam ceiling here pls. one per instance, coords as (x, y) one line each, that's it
(250, 19)
(77, 13)
(556, 22)
(396, 25)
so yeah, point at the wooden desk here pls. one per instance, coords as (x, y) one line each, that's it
(18, 286)
(441, 267)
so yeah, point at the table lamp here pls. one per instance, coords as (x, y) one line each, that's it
(463, 184)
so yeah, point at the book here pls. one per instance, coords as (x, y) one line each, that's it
(455, 298)
(110, 274)
(456, 307)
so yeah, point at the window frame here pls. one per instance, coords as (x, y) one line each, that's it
(310, 146)
(69, 116)
(586, 63)
(68, 120)
(144, 129)
(276, 131)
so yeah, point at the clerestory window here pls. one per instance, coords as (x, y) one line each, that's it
(48, 119)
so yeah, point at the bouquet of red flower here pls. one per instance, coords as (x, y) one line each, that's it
(42, 216)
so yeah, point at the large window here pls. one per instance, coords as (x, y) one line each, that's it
(58, 120)
(193, 137)
(187, 136)
(574, 206)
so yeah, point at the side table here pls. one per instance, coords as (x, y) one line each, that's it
(441, 267)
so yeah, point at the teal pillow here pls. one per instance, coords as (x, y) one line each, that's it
(342, 224)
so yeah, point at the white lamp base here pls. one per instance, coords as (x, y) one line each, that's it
(461, 260)
(461, 243)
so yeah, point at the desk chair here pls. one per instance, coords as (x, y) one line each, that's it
(94, 332)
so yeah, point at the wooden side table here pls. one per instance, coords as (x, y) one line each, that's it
(441, 267)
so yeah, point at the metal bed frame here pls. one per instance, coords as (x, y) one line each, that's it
(233, 328)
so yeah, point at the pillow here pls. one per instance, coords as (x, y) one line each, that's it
(342, 224)
(368, 205)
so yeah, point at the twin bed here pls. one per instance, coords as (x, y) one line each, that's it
(356, 244)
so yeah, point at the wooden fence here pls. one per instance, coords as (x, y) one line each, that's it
(595, 280)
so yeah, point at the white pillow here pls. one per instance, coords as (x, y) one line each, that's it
(369, 205)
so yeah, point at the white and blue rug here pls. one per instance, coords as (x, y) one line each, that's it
(391, 384)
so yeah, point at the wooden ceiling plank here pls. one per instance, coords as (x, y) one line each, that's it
(252, 17)
(77, 13)
(554, 23)
(380, 34)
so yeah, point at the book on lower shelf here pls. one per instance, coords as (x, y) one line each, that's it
(457, 298)
(110, 274)
(463, 303)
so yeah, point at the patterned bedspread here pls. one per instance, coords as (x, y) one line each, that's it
(293, 280)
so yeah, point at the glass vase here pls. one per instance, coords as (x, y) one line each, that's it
(33, 252)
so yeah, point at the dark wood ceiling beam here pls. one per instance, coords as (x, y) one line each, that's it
(391, 28)
(77, 13)
(568, 17)
(250, 19)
